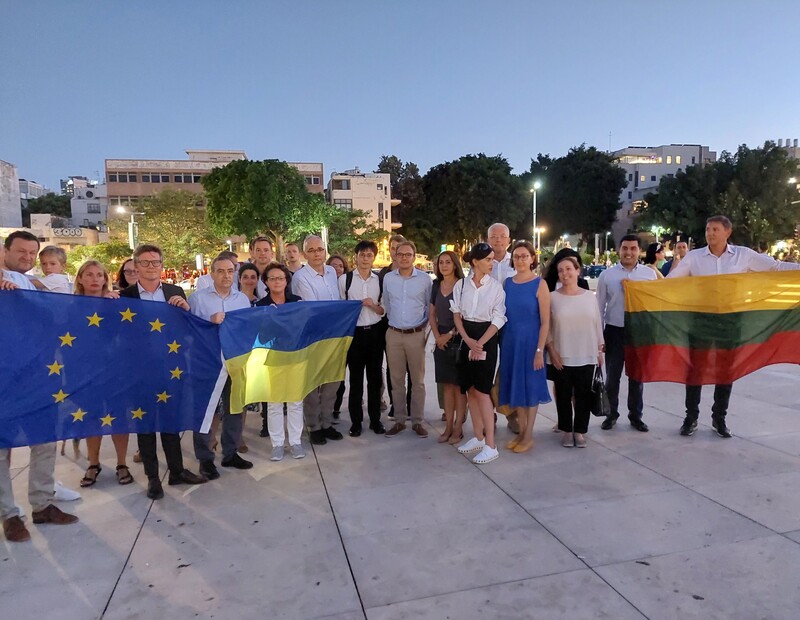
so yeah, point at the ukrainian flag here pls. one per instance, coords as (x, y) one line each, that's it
(280, 354)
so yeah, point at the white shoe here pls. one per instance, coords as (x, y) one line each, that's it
(277, 453)
(63, 494)
(486, 455)
(297, 451)
(473, 445)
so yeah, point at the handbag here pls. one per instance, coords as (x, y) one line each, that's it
(601, 407)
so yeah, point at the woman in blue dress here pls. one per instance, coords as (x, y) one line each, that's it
(523, 382)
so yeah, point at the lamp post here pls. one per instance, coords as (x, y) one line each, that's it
(607, 234)
(230, 245)
(538, 239)
(133, 227)
(536, 186)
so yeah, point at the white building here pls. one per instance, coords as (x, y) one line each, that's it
(369, 192)
(70, 184)
(28, 190)
(90, 206)
(10, 209)
(644, 166)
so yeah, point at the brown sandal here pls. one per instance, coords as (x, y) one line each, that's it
(88, 478)
(124, 474)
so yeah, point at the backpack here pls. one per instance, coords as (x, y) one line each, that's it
(348, 281)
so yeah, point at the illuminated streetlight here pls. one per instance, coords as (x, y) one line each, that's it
(793, 181)
(133, 227)
(536, 186)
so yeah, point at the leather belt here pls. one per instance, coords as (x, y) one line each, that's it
(413, 330)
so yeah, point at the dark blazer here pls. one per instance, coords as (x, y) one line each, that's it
(170, 290)
(267, 301)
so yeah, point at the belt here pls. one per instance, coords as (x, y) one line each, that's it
(413, 330)
(368, 326)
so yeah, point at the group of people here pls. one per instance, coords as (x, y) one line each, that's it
(499, 331)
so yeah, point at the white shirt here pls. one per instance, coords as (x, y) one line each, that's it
(487, 303)
(205, 281)
(362, 289)
(311, 285)
(20, 280)
(502, 269)
(575, 327)
(735, 259)
(611, 293)
(55, 282)
(157, 295)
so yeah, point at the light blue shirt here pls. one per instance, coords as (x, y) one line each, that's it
(158, 295)
(611, 295)
(20, 280)
(406, 299)
(311, 285)
(207, 302)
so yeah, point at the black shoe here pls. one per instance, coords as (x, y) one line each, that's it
(237, 461)
(719, 426)
(390, 415)
(609, 422)
(185, 477)
(317, 437)
(336, 415)
(154, 489)
(688, 427)
(377, 428)
(264, 432)
(638, 424)
(332, 433)
(355, 430)
(208, 470)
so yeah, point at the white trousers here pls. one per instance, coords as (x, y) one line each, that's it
(294, 422)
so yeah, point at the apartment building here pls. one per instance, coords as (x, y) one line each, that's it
(370, 192)
(10, 209)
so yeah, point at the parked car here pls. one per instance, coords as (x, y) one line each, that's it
(594, 271)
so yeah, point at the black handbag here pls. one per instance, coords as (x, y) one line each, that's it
(601, 407)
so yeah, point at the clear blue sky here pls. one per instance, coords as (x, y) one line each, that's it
(429, 81)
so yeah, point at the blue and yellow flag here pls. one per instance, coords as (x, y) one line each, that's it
(279, 354)
(74, 366)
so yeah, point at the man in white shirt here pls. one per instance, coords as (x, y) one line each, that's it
(366, 349)
(317, 281)
(611, 300)
(718, 257)
(406, 295)
(211, 304)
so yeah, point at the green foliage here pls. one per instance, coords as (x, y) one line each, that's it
(111, 254)
(175, 221)
(54, 204)
(347, 228)
(749, 186)
(406, 184)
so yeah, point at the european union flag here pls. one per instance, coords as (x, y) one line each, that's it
(75, 366)
(279, 354)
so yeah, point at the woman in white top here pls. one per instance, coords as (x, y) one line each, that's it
(479, 312)
(575, 348)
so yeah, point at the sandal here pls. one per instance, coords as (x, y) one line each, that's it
(513, 443)
(454, 440)
(124, 475)
(88, 478)
(444, 437)
(523, 447)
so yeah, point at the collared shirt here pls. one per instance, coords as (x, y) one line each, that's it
(208, 301)
(205, 281)
(311, 285)
(735, 259)
(503, 269)
(157, 295)
(362, 289)
(487, 303)
(611, 293)
(406, 299)
(20, 280)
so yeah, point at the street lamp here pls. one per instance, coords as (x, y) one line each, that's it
(607, 234)
(133, 227)
(230, 245)
(539, 232)
(536, 186)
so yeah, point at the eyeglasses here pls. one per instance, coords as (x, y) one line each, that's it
(520, 256)
(129, 272)
(276, 278)
(314, 250)
(149, 263)
(404, 254)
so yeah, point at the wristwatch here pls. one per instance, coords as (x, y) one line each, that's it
(538, 350)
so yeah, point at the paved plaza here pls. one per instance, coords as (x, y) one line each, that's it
(635, 526)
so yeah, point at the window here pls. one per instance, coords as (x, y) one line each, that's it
(641, 179)
(380, 186)
(93, 207)
(669, 159)
(315, 180)
(630, 177)
(652, 177)
(196, 178)
(112, 178)
(630, 195)
(165, 178)
(308, 180)
(345, 204)
(677, 159)
(380, 213)
(671, 176)
(132, 177)
(155, 178)
(693, 159)
(122, 177)
(179, 178)
(341, 184)
(145, 178)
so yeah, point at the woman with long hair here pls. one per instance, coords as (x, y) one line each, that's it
(447, 268)
(523, 382)
(654, 258)
(93, 281)
(479, 312)
(127, 275)
(575, 347)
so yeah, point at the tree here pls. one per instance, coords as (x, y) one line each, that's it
(406, 184)
(262, 197)
(347, 228)
(111, 254)
(53, 204)
(175, 220)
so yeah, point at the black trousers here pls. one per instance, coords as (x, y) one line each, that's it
(574, 381)
(615, 360)
(337, 404)
(171, 444)
(722, 396)
(366, 355)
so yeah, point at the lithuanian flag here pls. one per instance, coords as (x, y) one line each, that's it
(711, 329)
(279, 354)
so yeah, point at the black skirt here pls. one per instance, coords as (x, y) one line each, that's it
(479, 374)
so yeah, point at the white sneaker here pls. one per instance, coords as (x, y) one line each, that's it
(486, 456)
(473, 445)
(277, 453)
(297, 451)
(63, 494)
